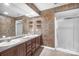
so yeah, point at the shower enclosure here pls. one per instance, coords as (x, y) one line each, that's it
(68, 32)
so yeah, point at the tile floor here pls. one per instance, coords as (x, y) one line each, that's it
(49, 52)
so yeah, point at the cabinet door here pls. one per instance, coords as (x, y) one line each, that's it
(9, 52)
(29, 48)
(21, 50)
(29, 53)
(37, 42)
(41, 40)
(33, 45)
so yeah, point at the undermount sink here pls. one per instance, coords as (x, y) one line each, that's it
(5, 44)
(12, 42)
(29, 36)
(15, 41)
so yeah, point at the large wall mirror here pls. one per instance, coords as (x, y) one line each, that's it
(19, 27)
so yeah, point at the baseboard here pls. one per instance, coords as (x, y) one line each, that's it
(67, 51)
(48, 47)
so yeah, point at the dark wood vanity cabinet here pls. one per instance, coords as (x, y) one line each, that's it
(9, 52)
(33, 46)
(27, 48)
(21, 50)
(37, 42)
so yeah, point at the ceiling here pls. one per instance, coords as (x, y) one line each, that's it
(17, 9)
(67, 14)
(20, 9)
(44, 6)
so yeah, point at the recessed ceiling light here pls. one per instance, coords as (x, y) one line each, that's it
(6, 13)
(27, 14)
(6, 4)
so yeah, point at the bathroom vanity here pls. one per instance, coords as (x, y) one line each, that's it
(26, 46)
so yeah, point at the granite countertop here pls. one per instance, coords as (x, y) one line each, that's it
(21, 40)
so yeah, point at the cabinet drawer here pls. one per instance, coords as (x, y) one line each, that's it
(28, 43)
(28, 48)
(37, 41)
(21, 50)
(29, 53)
(33, 45)
(33, 50)
(34, 40)
(37, 46)
(10, 52)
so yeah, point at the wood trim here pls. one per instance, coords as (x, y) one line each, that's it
(31, 5)
(66, 7)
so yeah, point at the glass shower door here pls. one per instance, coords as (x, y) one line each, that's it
(76, 34)
(65, 34)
